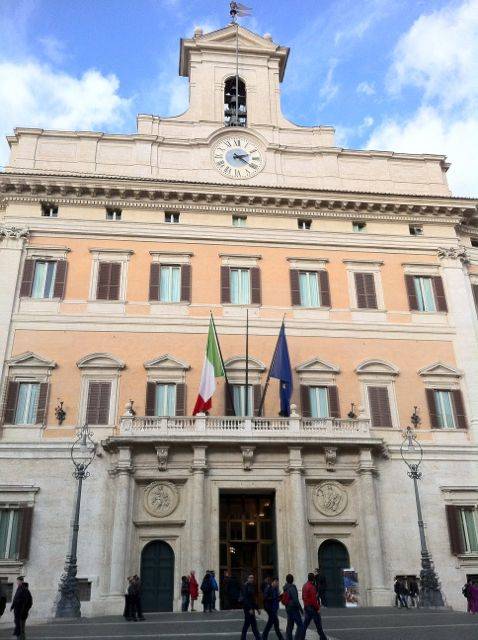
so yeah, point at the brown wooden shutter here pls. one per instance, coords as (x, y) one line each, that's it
(102, 288)
(150, 408)
(257, 393)
(27, 278)
(324, 289)
(228, 400)
(439, 293)
(42, 403)
(24, 532)
(294, 287)
(181, 399)
(11, 402)
(455, 529)
(60, 279)
(365, 290)
(432, 409)
(305, 401)
(334, 407)
(154, 280)
(115, 278)
(255, 285)
(379, 407)
(459, 407)
(98, 404)
(225, 286)
(411, 293)
(474, 288)
(186, 283)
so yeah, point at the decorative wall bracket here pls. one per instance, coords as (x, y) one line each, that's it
(247, 457)
(330, 458)
(162, 453)
(454, 253)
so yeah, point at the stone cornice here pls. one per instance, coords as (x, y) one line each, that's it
(214, 197)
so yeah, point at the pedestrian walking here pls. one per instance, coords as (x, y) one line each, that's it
(414, 592)
(473, 591)
(206, 588)
(399, 588)
(271, 607)
(137, 606)
(215, 589)
(320, 582)
(290, 599)
(127, 600)
(312, 606)
(21, 605)
(467, 594)
(250, 606)
(193, 588)
(184, 593)
(232, 592)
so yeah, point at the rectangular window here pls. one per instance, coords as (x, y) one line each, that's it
(425, 293)
(359, 227)
(240, 283)
(170, 217)
(170, 284)
(165, 401)
(474, 242)
(109, 276)
(444, 409)
(304, 224)
(379, 404)
(415, 230)
(365, 291)
(49, 210)
(27, 403)
(469, 522)
(9, 522)
(319, 402)
(239, 397)
(239, 221)
(98, 403)
(309, 289)
(44, 279)
(113, 214)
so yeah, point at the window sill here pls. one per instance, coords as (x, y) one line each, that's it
(39, 305)
(106, 306)
(239, 310)
(168, 308)
(311, 313)
(369, 315)
(429, 317)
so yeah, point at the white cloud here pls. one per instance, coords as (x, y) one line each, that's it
(329, 88)
(36, 95)
(53, 48)
(366, 88)
(439, 56)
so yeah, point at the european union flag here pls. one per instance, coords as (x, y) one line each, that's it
(281, 369)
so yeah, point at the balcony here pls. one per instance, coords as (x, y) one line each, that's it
(213, 428)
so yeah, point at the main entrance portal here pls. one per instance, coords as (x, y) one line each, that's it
(247, 541)
(157, 576)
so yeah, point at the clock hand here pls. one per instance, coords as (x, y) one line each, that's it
(238, 156)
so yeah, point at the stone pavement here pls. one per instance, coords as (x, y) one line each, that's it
(339, 624)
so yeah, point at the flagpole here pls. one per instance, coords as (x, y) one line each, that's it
(237, 74)
(226, 379)
(247, 363)
(266, 386)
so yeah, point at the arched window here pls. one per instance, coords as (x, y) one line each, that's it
(235, 109)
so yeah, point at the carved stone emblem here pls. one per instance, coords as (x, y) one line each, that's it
(330, 498)
(454, 253)
(160, 498)
(13, 233)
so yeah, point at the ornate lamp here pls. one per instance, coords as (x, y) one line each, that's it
(82, 453)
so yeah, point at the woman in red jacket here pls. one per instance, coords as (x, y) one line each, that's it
(312, 607)
(193, 589)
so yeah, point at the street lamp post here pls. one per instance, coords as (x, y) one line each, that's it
(83, 452)
(412, 454)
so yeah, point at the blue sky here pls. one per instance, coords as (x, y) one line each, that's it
(388, 74)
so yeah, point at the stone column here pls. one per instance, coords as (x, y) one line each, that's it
(462, 314)
(371, 528)
(199, 550)
(120, 553)
(298, 525)
(12, 240)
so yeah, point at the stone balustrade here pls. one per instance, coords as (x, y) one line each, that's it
(226, 426)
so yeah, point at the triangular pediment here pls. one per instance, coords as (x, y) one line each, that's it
(227, 36)
(100, 361)
(317, 365)
(440, 369)
(239, 364)
(30, 359)
(166, 361)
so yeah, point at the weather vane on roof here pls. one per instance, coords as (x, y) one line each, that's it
(239, 10)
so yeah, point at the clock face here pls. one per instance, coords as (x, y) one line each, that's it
(238, 157)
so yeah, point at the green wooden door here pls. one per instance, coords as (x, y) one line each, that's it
(333, 558)
(157, 576)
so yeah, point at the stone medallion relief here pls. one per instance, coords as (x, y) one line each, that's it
(160, 499)
(330, 498)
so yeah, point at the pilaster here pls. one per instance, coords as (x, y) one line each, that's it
(198, 516)
(297, 521)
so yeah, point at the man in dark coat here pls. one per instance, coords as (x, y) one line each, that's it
(207, 589)
(21, 605)
(320, 582)
(136, 598)
(250, 606)
(271, 606)
(293, 609)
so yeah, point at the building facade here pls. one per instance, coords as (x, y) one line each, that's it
(114, 249)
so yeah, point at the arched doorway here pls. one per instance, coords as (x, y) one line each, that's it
(157, 576)
(333, 558)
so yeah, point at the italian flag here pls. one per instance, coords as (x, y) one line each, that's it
(211, 370)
